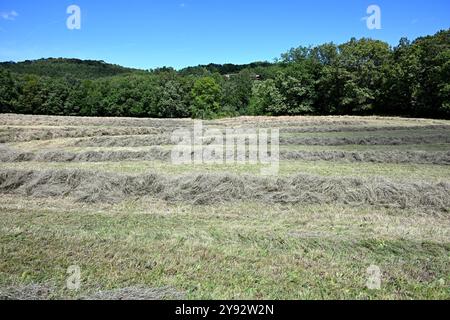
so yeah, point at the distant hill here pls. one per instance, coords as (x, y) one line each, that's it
(223, 69)
(59, 67)
(93, 69)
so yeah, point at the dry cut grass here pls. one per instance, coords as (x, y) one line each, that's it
(103, 195)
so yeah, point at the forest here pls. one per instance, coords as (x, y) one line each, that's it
(359, 77)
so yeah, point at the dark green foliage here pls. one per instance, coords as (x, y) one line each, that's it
(8, 92)
(206, 97)
(360, 77)
(59, 67)
(172, 104)
(223, 69)
(236, 93)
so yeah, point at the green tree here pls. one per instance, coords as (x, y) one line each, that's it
(433, 78)
(401, 87)
(267, 99)
(365, 63)
(30, 95)
(8, 91)
(236, 92)
(206, 97)
(172, 104)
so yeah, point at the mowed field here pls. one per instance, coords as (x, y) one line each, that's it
(103, 194)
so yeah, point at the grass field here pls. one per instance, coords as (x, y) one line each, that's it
(103, 195)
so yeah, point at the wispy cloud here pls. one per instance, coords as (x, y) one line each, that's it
(11, 15)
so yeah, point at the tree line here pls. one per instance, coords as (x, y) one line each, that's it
(359, 77)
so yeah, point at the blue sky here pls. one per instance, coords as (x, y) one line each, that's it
(178, 33)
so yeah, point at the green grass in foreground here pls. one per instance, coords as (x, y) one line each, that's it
(240, 251)
(323, 168)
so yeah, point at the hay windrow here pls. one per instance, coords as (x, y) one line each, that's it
(159, 154)
(353, 128)
(155, 140)
(91, 187)
(124, 141)
(293, 121)
(21, 134)
(37, 291)
(413, 157)
(138, 293)
(37, 120)
(388, 141)
(12, 155)
(26, 292)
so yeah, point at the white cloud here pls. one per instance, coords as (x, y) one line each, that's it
(11, 15)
